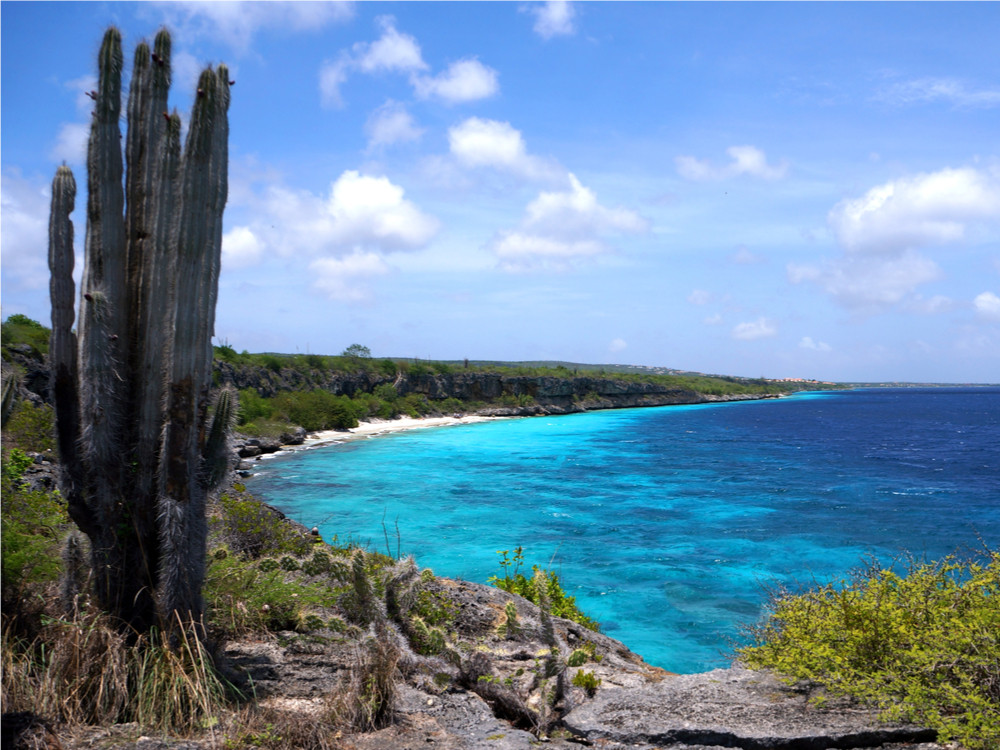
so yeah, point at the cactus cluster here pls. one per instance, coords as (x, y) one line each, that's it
(141, 441)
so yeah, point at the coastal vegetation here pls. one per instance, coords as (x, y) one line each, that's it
(923, 645)
(543, 585)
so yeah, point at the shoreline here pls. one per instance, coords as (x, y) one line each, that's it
(379, 427)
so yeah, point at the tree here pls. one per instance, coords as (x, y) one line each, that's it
(357, 351)
(140, 441)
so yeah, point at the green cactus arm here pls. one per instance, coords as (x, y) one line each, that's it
(102, 305)
(63, 348)
(216, 455)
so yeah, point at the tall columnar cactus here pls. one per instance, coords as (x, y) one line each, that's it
(141, 443)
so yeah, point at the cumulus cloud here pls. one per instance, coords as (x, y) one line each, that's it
(762, 328)
(928, 209)
(24, 218)
(391, 123)
(71, 143)
(241, 247)
(869, 284)
(561, 227)
(553, 18)
(464, 81)
(346, 233)
(952, 91)
(987, 305)
(882, 231)
(333, 75)
(490, 143)
(236, 22)
(746, 160)
(817, 346)
(617, 345)
(370, 211)
(393, 51)
(344, 279)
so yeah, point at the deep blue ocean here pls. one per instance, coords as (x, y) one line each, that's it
(666, 523)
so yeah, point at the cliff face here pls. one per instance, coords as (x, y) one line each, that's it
(550, 395)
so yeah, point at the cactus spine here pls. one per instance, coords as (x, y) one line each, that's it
(132, 386)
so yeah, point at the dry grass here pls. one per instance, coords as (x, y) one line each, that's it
(83, 671)
(368, 701)
(271, 728)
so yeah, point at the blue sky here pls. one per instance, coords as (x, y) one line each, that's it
(787, 190)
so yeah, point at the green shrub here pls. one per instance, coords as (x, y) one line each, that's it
(515, 582)
(923, 647)
(254, 530)
(577, 659)
(244, 599)
(31, 428)
(253, 407)
(30, 534)
(588, 681)
(20, 329)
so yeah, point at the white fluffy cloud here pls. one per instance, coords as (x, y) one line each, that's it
(71, 143)
(333, 75)
(746, 160)
(464, 81)
(553, 18)
(561, 227)
(371, 211)
(490, 143)
(987, 305)
(882, 231)
(869, 284)
(237, 22)
(344, 278)
(24, 214)
(762, 328)
(392, 51)
(617, 345)
(241, 247)
(344, 234)
(391, 123)
(928, 209)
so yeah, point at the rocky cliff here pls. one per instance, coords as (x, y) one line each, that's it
(524, 395)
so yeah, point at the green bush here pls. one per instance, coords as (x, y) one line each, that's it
(923, 647)
(31, 428)
(514, 582)
(253, 407)
(318, 410)
(20, 329)
(242, 598)
(588, 681)
(31, 530)
(250, 528)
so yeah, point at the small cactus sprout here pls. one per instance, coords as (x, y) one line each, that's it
(141, 438)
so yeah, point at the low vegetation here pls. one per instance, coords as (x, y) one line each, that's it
(542, 586)
(923, 645)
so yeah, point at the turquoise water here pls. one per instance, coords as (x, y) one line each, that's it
(665, 522)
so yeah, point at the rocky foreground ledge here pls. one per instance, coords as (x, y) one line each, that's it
(636, 706)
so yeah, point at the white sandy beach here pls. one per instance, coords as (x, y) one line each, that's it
(378, 427)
